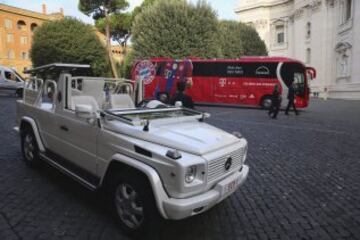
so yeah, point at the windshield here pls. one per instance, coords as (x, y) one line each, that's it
(157, 115)
(140, 115)
(18, 76)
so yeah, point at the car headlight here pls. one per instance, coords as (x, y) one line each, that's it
(190, 174)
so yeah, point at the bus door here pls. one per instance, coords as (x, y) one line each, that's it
(294, 74)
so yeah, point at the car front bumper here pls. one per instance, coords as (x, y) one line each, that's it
(182, 208)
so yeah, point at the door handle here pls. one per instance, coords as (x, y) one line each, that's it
(64, 128)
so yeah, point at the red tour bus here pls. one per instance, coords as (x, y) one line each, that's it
(243, 81)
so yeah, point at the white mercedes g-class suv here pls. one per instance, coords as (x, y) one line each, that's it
(156, 161)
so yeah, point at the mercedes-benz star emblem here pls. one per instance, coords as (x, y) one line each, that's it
(228, 164)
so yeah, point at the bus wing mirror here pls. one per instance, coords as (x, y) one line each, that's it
(312, 72)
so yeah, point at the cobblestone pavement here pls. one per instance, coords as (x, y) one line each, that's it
(304, 183)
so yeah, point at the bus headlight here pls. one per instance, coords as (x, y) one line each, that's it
(190, 174)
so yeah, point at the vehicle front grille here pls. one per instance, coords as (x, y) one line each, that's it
(216, 167)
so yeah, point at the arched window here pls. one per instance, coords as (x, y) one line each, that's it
(345, 10)
(21, 25)
(280, 34)
(11, 54)
(308, 55)
(308, 30)
(348, 10)
(33, 26)
(24, 56)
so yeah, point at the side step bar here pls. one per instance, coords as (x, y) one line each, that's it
(68, 172)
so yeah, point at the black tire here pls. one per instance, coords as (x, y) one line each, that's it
(142, 208)
(266, 102)
(29, 147)
(20, 92)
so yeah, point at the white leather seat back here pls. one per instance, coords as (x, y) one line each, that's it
(121, 101)
(84, 100)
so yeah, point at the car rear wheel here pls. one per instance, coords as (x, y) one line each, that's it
(29, 148)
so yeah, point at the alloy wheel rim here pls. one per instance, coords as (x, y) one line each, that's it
(129, 206)
(29, 148)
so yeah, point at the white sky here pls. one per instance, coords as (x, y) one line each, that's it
(224, 8)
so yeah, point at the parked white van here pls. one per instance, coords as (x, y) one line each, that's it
(11, 80)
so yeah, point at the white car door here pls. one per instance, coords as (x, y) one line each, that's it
(77, 144)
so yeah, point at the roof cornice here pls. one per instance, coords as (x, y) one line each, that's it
(26, 13)
(260, 4)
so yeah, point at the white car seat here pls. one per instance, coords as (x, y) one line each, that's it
(84, 100)
(121, 101)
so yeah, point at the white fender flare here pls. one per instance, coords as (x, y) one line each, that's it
(35, 131)
(153, 177)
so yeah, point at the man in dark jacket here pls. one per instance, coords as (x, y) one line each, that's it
(291, 98)
(275, 102)
(182, 97)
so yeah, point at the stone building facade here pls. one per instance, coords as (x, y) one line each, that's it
(324, 34)
(16, 29)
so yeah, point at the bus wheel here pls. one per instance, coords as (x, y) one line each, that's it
(266, 102)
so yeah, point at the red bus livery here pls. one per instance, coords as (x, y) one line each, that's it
(243, 81)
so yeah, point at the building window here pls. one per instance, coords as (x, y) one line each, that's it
(23, 40)
(308, 30)
(346, 11)
(33, 27)
(24, 56)
(8, 24)
(11, 54)
(348, 8)
(280, 34)
(10, 38)
(21, 25)
(308, 55)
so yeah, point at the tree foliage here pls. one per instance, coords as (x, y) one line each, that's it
(139, 9)
(69, 41)
(120, 26)
(252, 44)
(103, 9)
(176, 28)
(99, 8)
(237, 39)
(126, 67)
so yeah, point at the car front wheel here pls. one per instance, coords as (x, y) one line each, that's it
(134, 205)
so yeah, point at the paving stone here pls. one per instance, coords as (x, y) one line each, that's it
(304, 183)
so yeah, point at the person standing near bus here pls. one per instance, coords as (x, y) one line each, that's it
(182, 97)
(291, 98)
(275, 102)
(184, 73)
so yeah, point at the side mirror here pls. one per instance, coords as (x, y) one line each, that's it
(84, 111)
